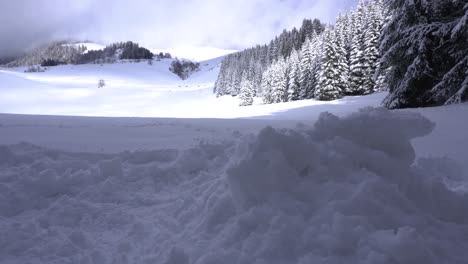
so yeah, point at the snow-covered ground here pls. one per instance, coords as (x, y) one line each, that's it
(132, 89)
(350, 186)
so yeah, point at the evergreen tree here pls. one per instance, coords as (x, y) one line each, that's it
(374, 25)
(279, 82)
(246, 92)
(425, 53)
(316, 64)
(328, 87)
(294, 76)
(358, 66)
(306, 70)
(220, 84)
(342, 45)
(267, 80)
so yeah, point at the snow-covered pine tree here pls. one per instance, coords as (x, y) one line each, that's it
(279, 81)
(220, 84)
(328, 85)
(342, 33)
(294, 76)
(425, 52)
(286, 73)
(246, 94)
(372, 31)
(306, 69)
(317, 53)
(267, 80)
(273, 51)
(358, 66)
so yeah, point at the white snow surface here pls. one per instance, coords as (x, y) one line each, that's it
(300, 182)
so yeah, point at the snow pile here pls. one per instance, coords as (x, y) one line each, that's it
(347, 191)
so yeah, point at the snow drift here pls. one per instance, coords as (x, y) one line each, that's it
(347, 191)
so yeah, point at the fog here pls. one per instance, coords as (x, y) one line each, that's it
(238, 24)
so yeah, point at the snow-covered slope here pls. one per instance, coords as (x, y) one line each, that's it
(136, 89)
(132, 89)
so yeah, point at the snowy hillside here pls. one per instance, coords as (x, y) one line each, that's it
(132, 89)
(135, 89)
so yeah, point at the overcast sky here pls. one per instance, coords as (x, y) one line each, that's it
(228, 24)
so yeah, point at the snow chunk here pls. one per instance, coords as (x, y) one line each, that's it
(111, 168)
(373, 140)
(347, 191)
(177, 256)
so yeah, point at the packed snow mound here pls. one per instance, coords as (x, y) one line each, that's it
(347, 191)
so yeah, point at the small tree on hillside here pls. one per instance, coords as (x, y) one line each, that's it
(246, 92)
(101, 83)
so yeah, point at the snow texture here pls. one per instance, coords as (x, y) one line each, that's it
(347, 190)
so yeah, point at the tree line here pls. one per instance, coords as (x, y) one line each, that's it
(63, 53)
(325, 62)
(417, 50)
(116, 51)
(249, 65)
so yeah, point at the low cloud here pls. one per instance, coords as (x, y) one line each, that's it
(160, 24)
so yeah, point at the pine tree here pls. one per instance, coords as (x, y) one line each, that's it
(220, 84)
(306, 70)
(246, 92)
(267, 80)
(294, 76)
(279, 82)
(372, 31)
(358, 66)
(316, 64)
(342, 45)
(425, 53)
(329, 75)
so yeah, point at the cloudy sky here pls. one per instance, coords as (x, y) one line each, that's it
(228, 24)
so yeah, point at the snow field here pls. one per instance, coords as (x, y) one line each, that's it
(346, 190)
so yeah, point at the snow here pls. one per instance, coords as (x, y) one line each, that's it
(132, 89)
(201, 180)
(345, 190)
